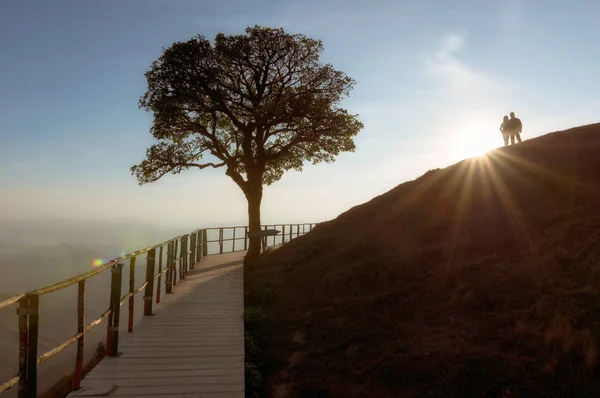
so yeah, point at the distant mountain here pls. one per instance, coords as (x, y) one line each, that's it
(11, 248)
(45, 264)
(39, 251)
(127, 235)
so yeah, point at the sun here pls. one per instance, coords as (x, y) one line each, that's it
(473, 140)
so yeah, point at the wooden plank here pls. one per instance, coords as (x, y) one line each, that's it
(185, 338)
(167, 361)
(194, 395)
(211, 362)
(158, 341)
(153, 391)
(202, 334)
(175, 349)
(198, 326)
(172, 373)
(193, 336)
(189, 353)
(226, 325)
(215, 342)
(181, 389)
(199, 322)
(170, 381)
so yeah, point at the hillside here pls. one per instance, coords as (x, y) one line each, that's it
(478, 280)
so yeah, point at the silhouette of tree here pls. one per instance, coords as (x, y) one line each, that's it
(259, 104)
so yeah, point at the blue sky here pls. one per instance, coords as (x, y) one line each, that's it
(434, 79)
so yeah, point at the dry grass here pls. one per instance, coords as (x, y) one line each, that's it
(479, 280)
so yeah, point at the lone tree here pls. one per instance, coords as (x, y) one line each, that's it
(257, 104)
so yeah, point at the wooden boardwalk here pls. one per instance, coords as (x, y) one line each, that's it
(193, 346)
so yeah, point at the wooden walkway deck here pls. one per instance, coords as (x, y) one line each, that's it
(192, 347)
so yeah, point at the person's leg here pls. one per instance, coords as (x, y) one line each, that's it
(512, 138)
(518, 136)
(505, 138)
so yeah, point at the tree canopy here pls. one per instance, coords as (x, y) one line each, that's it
(258, 103)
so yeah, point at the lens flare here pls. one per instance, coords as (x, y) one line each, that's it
(97, 262)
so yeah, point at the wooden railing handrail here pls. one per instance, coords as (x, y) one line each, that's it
(9, 384)
(44, 357)
(73, 280)
(182, 253)
(11, 300)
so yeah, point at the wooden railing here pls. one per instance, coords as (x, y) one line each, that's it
(182, 253)
(288, 232)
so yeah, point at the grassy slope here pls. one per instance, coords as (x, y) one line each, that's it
(477, 280)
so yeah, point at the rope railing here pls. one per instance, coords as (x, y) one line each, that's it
(182, 252)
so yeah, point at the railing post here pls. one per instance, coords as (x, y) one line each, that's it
(183, 264)
(132, 262)
(297, 230)
(77, 373)
(28, 311)
(233, 248)
(200, 242)
(192, 256)
(169, 277)
(23, 345)
(291, 233)
(221, 240)
(112, 330)
(186, 264)
(187, 255)
(158, 287)
(282, 234)
(34, 318)
(192, 250)
(204, 242)
(181, 259)
(175, 260)
(245, 238)
(149, 291)
(198, 247)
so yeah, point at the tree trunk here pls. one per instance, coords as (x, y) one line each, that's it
(254, 198)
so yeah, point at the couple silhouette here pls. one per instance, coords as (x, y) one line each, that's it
(511, 128)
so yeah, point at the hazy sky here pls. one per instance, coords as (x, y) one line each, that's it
(434, 79)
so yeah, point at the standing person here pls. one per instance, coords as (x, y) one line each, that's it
(504, 129)
(516, 127)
